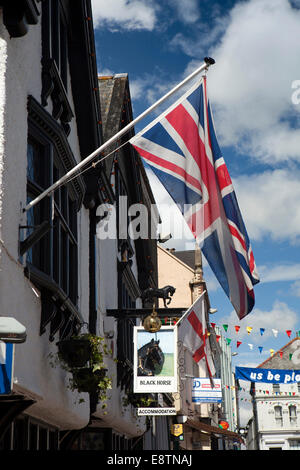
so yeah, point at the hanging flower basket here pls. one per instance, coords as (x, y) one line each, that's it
(88, 380)
(75, 352)
(83, 357)
(144, 400)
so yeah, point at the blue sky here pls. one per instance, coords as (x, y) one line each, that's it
(165, 338)
(256, 46)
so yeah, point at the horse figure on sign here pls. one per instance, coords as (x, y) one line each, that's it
(150, 359)
(164, 293)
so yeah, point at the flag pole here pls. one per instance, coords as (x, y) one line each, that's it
(190, 308)
(207, 62)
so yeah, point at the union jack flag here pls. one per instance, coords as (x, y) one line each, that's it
(182, 149)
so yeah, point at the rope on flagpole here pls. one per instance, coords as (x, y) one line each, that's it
(92, 165)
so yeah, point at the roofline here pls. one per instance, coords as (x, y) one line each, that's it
(279, 350)
(189, 268)
(176, 259)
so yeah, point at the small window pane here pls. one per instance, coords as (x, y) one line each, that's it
(43, 438)
(33, 433)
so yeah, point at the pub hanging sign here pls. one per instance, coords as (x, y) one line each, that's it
(155, 360)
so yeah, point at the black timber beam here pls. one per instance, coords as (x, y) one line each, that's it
(141, 312)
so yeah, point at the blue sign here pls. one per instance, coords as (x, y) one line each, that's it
(6, 368)
(271, 376)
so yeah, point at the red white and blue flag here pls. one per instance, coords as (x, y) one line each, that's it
(182, 150)
(193, 334)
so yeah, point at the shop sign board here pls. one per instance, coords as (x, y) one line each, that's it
(203, 392)
(155, 360)
(6, 367)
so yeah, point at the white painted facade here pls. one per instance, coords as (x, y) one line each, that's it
(276, 407)
(122, 420)
(278, 418)
(20, 76)
(229, 402)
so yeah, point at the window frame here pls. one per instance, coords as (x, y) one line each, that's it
(55, 63)
(279, 417)
(58, 308)
(293, 419)
(55, 265)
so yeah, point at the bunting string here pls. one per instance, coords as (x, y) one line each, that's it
(250, 332)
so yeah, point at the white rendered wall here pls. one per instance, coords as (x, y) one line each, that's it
(271, 434)
(20, 76)
(122, 419)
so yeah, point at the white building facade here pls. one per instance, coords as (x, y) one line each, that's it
(276, 407)
(228, 410)
(44, 252)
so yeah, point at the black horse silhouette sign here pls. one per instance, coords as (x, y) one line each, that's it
(150, 359)
(155, 360)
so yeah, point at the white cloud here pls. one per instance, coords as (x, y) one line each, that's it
(245, 412)
(203, 36)
(147, 89)
(283, 272)
(125, 14)
(295, 288)
(106, 72)
(269, 204)
(187, 10)
(250, 87)
(251, 83)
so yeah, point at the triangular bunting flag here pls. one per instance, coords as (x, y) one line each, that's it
(228, 341)
(249, 329)
(288, 332)
(260, 349)
(238, 343)
(237, 327)
(225, 327)
(262, 330)
(275, 332)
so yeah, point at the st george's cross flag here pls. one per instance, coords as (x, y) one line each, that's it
(182, 150)
(192, 331)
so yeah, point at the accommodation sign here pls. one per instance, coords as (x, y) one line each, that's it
(272, 376)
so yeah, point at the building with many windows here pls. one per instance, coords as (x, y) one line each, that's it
(49, 121)
(125, 266)
(183, 269)
(276, 407)
(57, 278)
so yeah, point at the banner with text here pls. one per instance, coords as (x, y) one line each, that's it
(272, 376)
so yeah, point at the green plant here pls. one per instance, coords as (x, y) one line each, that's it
(83, 356)
(138, 400)
(75, 351)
